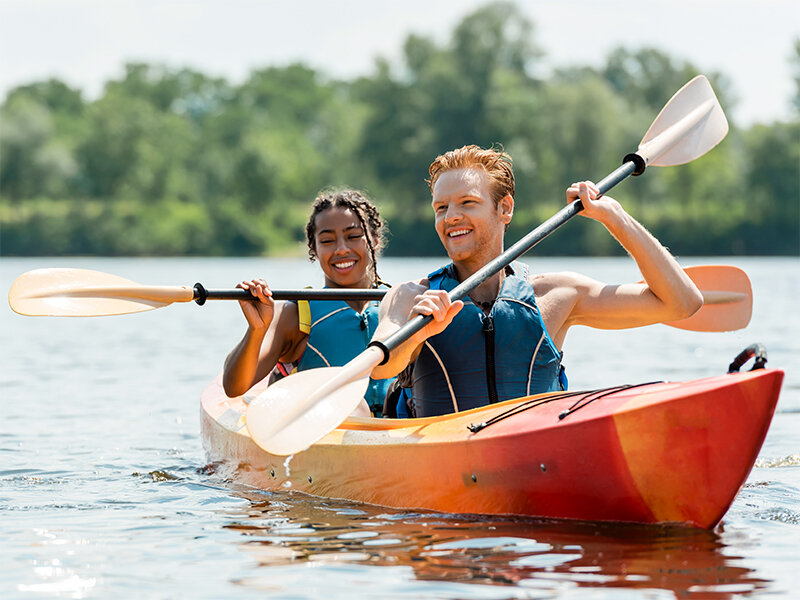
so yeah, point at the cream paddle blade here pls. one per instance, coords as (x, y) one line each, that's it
(290, 415)
(82, 292)
(727, 299)
(693, 116)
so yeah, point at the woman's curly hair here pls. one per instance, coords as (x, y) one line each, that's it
(368, 216)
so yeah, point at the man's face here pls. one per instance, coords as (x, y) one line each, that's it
(469, 224)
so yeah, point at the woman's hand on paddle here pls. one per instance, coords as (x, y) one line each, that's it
(595, 206)
(437, 304)
(258, 314)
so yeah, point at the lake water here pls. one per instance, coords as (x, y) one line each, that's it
(104, 491)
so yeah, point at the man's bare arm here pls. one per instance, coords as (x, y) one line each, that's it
(667, 293)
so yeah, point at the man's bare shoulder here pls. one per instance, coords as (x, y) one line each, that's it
(561, 281)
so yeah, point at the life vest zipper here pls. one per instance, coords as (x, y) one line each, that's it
(491, 380)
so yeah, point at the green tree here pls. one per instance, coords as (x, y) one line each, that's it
(53, 94)
(795, 64)
(772, 190)
(444, 97)
(33, 160)
(170, 160)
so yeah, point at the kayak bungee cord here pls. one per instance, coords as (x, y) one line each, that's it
(476, 427)
(586, 398)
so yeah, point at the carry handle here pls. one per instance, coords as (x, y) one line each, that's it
(757, 350)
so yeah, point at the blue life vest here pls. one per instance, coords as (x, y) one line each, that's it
(336, 335)
(480, 359)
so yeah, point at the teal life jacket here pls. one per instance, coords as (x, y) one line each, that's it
(481, 359)
(336, 335)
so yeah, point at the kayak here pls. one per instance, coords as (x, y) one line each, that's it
(663, 452)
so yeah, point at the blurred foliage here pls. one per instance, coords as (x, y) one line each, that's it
(174, 162)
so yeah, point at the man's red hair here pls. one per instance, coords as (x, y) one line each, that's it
(493, 161)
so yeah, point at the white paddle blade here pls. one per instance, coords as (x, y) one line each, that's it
(62, 292)
(298, 410)
(690, 125)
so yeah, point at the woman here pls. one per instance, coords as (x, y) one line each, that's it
(345, 233)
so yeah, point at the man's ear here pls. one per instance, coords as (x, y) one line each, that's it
(506, 208)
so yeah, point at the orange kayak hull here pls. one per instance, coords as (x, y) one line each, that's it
(657, 453)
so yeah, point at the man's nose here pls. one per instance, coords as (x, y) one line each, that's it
(453, 214)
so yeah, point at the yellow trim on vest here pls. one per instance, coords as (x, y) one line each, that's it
(304, 316)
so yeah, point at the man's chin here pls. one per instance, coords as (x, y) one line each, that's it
(459, 254)
(460, 250)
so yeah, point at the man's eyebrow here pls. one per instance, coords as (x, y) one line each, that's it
(446, 199)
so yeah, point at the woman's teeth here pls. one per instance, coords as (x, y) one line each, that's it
(344, 265)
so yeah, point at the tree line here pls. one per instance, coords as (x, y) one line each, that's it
(172, 161)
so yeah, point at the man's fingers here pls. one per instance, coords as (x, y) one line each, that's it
(588, 190)
(427, 307)
(582, 190)
(453, 310)
(435, 303)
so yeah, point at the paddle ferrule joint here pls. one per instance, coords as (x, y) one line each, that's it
(383, 348)
(200, 294)
(639, 163)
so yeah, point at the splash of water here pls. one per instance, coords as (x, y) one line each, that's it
(793, 460)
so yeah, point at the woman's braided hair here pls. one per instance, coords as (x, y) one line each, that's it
(368, 216)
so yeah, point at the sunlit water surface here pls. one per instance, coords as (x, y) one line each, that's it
(104, 489)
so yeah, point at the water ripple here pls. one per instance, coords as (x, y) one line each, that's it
(525, 554)
(793, 460)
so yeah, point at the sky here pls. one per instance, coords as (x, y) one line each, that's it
(86, 42)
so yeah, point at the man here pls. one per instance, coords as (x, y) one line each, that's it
(505, 340)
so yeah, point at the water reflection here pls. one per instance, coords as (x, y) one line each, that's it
(513, 557)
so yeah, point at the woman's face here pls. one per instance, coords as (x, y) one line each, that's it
(342, 250)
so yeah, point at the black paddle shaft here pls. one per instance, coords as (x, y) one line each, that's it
(633, 165)
(201, 294)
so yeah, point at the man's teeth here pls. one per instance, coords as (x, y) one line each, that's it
(458, 232)
(345, 265)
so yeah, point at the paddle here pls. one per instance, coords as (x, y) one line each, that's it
(85, 293)
(61, 292)
(298, 410)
